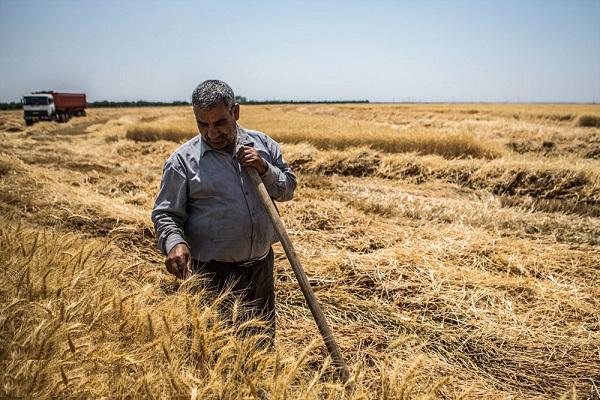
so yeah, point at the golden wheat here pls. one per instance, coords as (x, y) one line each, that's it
(454, 250)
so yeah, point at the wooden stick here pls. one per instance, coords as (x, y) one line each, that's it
(309, 295)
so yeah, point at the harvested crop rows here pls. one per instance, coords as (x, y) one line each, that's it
(454, 250)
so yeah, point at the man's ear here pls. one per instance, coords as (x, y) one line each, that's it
(236, 111)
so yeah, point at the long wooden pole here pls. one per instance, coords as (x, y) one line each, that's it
(309, 295)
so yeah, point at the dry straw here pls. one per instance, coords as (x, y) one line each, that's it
(444, 274)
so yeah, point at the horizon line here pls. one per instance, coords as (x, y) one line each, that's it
(343, 101)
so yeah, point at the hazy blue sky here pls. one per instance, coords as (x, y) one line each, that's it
(376, 50)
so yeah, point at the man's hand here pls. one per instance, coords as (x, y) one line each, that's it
(179, 261)
(249, 157)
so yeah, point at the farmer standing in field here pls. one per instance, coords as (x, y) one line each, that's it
(208, 217)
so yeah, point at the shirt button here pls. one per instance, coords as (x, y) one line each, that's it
(246, 192)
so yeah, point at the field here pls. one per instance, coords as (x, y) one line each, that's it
(454, 249)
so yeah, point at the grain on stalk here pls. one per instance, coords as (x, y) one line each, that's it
(453, 251)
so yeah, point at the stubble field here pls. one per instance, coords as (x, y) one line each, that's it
(454, 249)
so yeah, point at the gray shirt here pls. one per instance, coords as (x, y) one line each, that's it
(207, 201)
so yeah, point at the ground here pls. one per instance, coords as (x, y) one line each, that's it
(453, 248)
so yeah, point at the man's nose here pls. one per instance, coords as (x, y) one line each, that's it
(212, 132)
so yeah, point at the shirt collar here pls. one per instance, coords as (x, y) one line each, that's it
(243, 139)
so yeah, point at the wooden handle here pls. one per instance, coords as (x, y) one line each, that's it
(309, 295)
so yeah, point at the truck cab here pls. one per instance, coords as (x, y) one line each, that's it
(38, 107)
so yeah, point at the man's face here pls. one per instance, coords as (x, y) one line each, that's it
(217, 125)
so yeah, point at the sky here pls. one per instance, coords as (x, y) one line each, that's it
(382, 51)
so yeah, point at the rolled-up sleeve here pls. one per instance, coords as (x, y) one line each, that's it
(279, 179)
(169, 212)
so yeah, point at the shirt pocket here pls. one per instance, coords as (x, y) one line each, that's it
(212, 181)
(203, 185)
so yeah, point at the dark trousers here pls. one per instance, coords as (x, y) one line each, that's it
(253, 284)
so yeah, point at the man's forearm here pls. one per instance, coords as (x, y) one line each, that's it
(280, 184)
(169, 232)
(169, 212)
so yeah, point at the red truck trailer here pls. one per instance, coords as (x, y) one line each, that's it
(53, 106)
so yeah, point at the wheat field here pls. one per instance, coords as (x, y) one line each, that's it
(454, 250)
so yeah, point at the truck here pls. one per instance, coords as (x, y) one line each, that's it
(53, 106)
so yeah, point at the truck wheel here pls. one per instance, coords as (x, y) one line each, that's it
(28, 122)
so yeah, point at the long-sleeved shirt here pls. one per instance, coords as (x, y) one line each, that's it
(207, 200)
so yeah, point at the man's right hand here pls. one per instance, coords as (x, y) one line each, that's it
(179, 261)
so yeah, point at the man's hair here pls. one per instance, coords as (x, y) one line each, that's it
(210, 93)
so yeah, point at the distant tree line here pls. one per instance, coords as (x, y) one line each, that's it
(139, 103)
(10, 106)
(243, 100)
(257, 102)
(105, 103)
(13, 105)
(238, 99)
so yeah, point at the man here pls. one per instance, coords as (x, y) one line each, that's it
(208, 216)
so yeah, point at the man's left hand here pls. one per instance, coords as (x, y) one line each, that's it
(249, 157)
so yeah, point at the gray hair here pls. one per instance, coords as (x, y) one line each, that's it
(210, 93)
